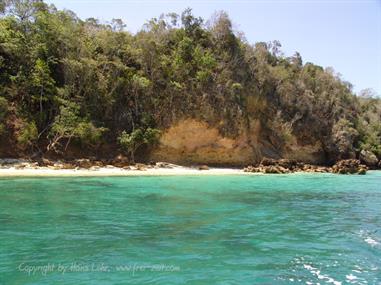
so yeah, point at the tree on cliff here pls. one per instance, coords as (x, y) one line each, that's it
(70, 80)
(131, 142)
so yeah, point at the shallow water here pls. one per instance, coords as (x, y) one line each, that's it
(260, 229)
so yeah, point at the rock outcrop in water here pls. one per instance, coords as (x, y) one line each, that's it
(282, 166)
(349, 166)
(267, 165)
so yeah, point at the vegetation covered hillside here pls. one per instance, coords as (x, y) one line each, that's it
(76, 88)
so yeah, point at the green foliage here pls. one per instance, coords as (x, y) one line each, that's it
(140, 82)
(369, 124)
(3, 114)
(2, 7)
(27, 135)
(88, 134)
(344, 136)
(3, 108)
(69, 125)
(282, 129)
(67, 121)
(2, 129)
(71, 76)
(130, 142)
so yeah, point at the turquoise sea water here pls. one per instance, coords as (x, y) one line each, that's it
(260, 229)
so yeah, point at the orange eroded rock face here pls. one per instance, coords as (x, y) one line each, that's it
(191, 141)
(195, 142)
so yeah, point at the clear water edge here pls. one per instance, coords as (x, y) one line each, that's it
(260, 229)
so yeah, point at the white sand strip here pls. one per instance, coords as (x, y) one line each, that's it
(46, 172)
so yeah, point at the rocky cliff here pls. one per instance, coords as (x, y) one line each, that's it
(190, 141)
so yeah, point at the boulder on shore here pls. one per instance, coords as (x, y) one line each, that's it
(315, 168)
(120, 161)
(273, 166)
(45, 162)
(288, 163)
(349, 166)
(368, 158)
(164, 165)
(203, 167)
(67, 165)
(83, 163)
(141, 166)
(276, 169)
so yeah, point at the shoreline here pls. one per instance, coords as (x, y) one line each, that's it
(118, 167)
(104, 172)
(120, 172)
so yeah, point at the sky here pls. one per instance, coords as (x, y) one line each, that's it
(343, 34)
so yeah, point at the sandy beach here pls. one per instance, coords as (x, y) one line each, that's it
(48, 172)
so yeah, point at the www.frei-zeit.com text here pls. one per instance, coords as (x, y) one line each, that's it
(133, 268)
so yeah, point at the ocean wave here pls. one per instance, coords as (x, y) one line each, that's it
(321, 276)
(368, 238)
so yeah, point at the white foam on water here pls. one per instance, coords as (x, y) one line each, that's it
(368, 239)
(351, 277)
(371, 241)
(318, 274)
(359, 269)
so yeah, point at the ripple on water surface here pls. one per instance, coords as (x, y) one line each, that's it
(286, 229)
